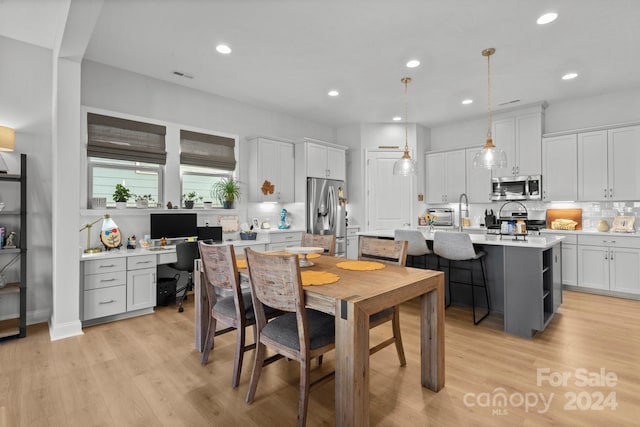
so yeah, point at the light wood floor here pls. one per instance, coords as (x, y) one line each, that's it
(145, 372)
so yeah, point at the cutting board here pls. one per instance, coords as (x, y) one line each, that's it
(573, 214)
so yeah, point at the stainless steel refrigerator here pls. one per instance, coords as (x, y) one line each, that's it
(326, 211)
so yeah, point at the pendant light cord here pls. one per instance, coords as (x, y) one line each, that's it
(489, 96)
(406, 81)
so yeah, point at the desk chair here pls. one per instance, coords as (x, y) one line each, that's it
(391, 252)
(300, 334)
(417, 245)
(186, 252)
(457, 247)
(326, 241)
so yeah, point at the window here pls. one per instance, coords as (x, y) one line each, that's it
(200, 181)
(139, 178)
(127, 152)
(204, 160)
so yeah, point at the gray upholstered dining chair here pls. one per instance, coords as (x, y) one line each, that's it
(300, 334)
(391, 252)
(417, 248)
(234, 311)
(457, 248)
(325, 241)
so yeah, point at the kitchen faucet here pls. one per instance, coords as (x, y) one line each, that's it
(466, 203)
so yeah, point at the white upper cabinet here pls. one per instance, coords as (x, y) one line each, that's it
(445, 175)
(520, 138)
(560, 168)
(478, 180)
(321, 159)
(607, 164)
(271, 170)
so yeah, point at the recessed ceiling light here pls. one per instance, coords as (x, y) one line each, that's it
(397, 118)
(413, 63)
(224, 49)
(333, 92)
(569, 76)
(467, 101)
(547, 18)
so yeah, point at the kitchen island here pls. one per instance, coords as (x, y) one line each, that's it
(524, 278)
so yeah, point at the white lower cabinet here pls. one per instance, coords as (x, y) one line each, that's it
(114, 286)
(284, 239)
(352, 242)
(609, 263)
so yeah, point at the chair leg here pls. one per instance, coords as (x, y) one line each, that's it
(303, 400)
(258, 361)
(449, 284)
(395, 323)
(486, 290)
(237, 363)
(209, 342)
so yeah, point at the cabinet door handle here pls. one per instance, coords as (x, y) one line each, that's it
(143, 262)
(605, 241)
(611, 256)
(153, 278)
(107, 302)
(107, 266)
(605, 255)
(610, 192)
(605, 193)
(107, 280)
(613, 241)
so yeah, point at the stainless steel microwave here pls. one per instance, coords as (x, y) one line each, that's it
(516, 188)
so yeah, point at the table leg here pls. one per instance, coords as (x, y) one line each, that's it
(352, 365)
(432, 333)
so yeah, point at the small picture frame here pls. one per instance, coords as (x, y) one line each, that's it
(623, 224)
(256, 223)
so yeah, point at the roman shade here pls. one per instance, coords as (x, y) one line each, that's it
(122, 139)
(212, 151)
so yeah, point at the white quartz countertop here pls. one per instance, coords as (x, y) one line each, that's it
(123, 252)
(539, 242)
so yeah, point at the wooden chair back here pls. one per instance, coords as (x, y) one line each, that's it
(275, 281)
(325, 241)
(220, 270)
(384, 250)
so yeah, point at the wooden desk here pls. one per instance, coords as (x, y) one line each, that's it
(352, 299)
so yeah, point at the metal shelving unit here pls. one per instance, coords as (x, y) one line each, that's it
(16, 327)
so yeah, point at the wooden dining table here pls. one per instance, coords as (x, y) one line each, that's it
(352, 299)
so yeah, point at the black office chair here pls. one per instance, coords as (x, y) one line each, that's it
(186, 253)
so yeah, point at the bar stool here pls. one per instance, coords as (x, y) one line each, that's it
(454, 247)
(417, 245)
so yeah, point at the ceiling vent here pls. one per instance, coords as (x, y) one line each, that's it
(513, 101)
(181, 74)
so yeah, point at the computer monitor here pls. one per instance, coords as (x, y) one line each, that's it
(174, 225)
(210, 233)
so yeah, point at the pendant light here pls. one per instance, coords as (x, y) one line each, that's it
(490, 157)
(406, 165)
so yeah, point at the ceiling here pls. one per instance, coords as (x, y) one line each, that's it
(287, 54)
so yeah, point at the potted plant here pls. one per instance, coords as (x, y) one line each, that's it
(189, 199)
(226, 191)
(143, 201)
(121, 195)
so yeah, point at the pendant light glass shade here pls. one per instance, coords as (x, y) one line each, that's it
(405, 166)
(490, 157)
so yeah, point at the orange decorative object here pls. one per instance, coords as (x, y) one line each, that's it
(241, 263)
(317, 278)
(268, 187)
(360, 265)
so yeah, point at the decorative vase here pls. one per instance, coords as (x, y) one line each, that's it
(188, 204)
(208, 205)
(602, 226)
(227, 204)
(121, 205)
(142, 204)
(431, 229)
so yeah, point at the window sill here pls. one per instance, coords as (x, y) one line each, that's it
(145, 211)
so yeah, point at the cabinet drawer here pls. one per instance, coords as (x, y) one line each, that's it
(610, 241)
(105, 302)
(291, 239)
(353, 231)
(105, 280)
(105, 265)
(138, 262)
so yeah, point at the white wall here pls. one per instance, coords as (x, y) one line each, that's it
(26, 106)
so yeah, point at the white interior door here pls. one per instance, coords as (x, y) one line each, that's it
(388, 196)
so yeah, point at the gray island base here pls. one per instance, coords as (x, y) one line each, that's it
(524, 279)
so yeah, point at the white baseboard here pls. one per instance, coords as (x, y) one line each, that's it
(65, 330)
